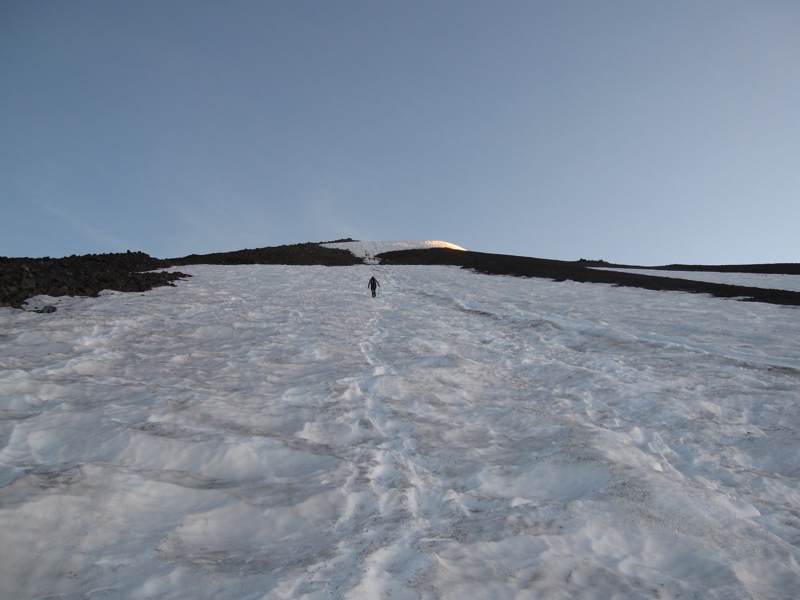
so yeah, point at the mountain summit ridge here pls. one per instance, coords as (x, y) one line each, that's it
(369, 250)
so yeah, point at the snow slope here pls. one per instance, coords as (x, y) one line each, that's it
(759, 280)
(369, 250)
(274, 432)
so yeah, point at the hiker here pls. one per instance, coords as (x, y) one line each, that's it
(373, 285)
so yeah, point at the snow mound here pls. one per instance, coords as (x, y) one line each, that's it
(368, 250)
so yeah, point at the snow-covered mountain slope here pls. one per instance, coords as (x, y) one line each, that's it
(369, 250)
(272, 432)
(758, 280)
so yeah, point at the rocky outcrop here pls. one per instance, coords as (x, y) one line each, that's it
(88, 275)
(22, 278)
(292, 254)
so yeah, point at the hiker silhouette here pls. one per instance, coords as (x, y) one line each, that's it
(373, 285)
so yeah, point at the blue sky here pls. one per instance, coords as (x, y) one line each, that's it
(636, 132)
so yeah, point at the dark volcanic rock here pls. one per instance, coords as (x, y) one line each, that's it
(771, 269)
(521, 266)
(22, 278)
(293, 254)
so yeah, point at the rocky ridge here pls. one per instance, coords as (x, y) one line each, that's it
(88, 275)
(585, 271)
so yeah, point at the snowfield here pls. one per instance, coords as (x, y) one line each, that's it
(273, 432)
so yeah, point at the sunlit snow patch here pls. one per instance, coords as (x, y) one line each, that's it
(368, 250)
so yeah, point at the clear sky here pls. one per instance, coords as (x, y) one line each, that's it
(635, 132)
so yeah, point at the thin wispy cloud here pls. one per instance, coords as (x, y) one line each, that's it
(82, 228)
(645, 133)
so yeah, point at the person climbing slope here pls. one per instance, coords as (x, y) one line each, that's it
(373, 285)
